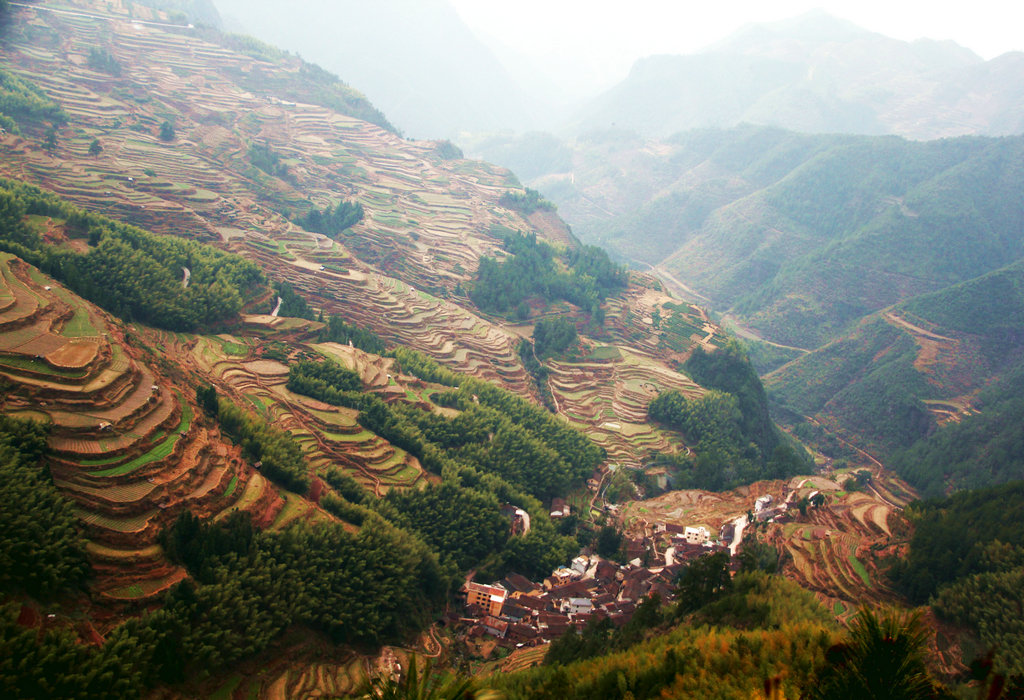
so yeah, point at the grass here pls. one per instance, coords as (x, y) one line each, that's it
(38, 366)
(161, 451)
(231, 487)
(860, 569)
(226, 691)
(80, 325)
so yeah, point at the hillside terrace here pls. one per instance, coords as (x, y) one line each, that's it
(128, 446)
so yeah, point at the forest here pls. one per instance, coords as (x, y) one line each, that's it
(967, 560)
(133, 274)
(338, 330)
(583, 277)
(22, 102)
(499, 449)
(42, 553)
(274, 450)
(982, 449)
(728, 427)
(372, 587)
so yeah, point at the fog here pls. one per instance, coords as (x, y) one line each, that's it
(442, 68)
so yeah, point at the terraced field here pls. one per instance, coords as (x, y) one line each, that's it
(129, 448)
(606, 396)
(329, 435)
(837, 549)
(427, 219)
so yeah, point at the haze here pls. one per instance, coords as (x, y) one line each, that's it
(598, 40)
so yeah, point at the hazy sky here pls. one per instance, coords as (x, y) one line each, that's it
(606, 36)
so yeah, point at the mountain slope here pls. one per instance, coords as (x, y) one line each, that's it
(417, 61)
(817, 74)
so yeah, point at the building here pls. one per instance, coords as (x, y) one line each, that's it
(696, 535)
(559, 508)
(578, 606)
(489, 598)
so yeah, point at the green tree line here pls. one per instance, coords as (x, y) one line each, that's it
(41, 549)
(130, 272)
(533, 269)
(24, 102)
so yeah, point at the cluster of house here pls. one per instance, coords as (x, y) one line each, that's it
(520, 612)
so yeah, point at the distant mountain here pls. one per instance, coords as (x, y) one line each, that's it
(884, 274)
(799, 236)
(416, 60)
(818, 74)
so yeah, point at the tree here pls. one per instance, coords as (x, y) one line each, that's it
(608, 541)
(167, 131)
(553, 335)
(703, 581)
(424, 686)
(207, 397)
(50, 140)
(884, 658)
(95, 148)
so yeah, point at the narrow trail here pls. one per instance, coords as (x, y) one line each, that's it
(733, 325)
(917, 330)
(870, 458)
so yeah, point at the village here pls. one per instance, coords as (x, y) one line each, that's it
(516, 612)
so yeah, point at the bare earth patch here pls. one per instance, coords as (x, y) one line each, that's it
(75, 354)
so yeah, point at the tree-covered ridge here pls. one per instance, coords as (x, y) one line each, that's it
(374, 586)
(979, 450)
(292, 304)
(496, 432)
(728, 369)
(729, 427)
(583, 277)
(553, 335)
(41, 549)
(338, 330)
(526, 202)
(499, 449)
(463, 524)
(276, 452)
(967, 559)
(802, 235)
(22, 102)
(134, 274)
(952, 537)
(874, 383)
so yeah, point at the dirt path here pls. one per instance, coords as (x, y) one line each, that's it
(740, 524)
(917, 330)
(732, 324)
